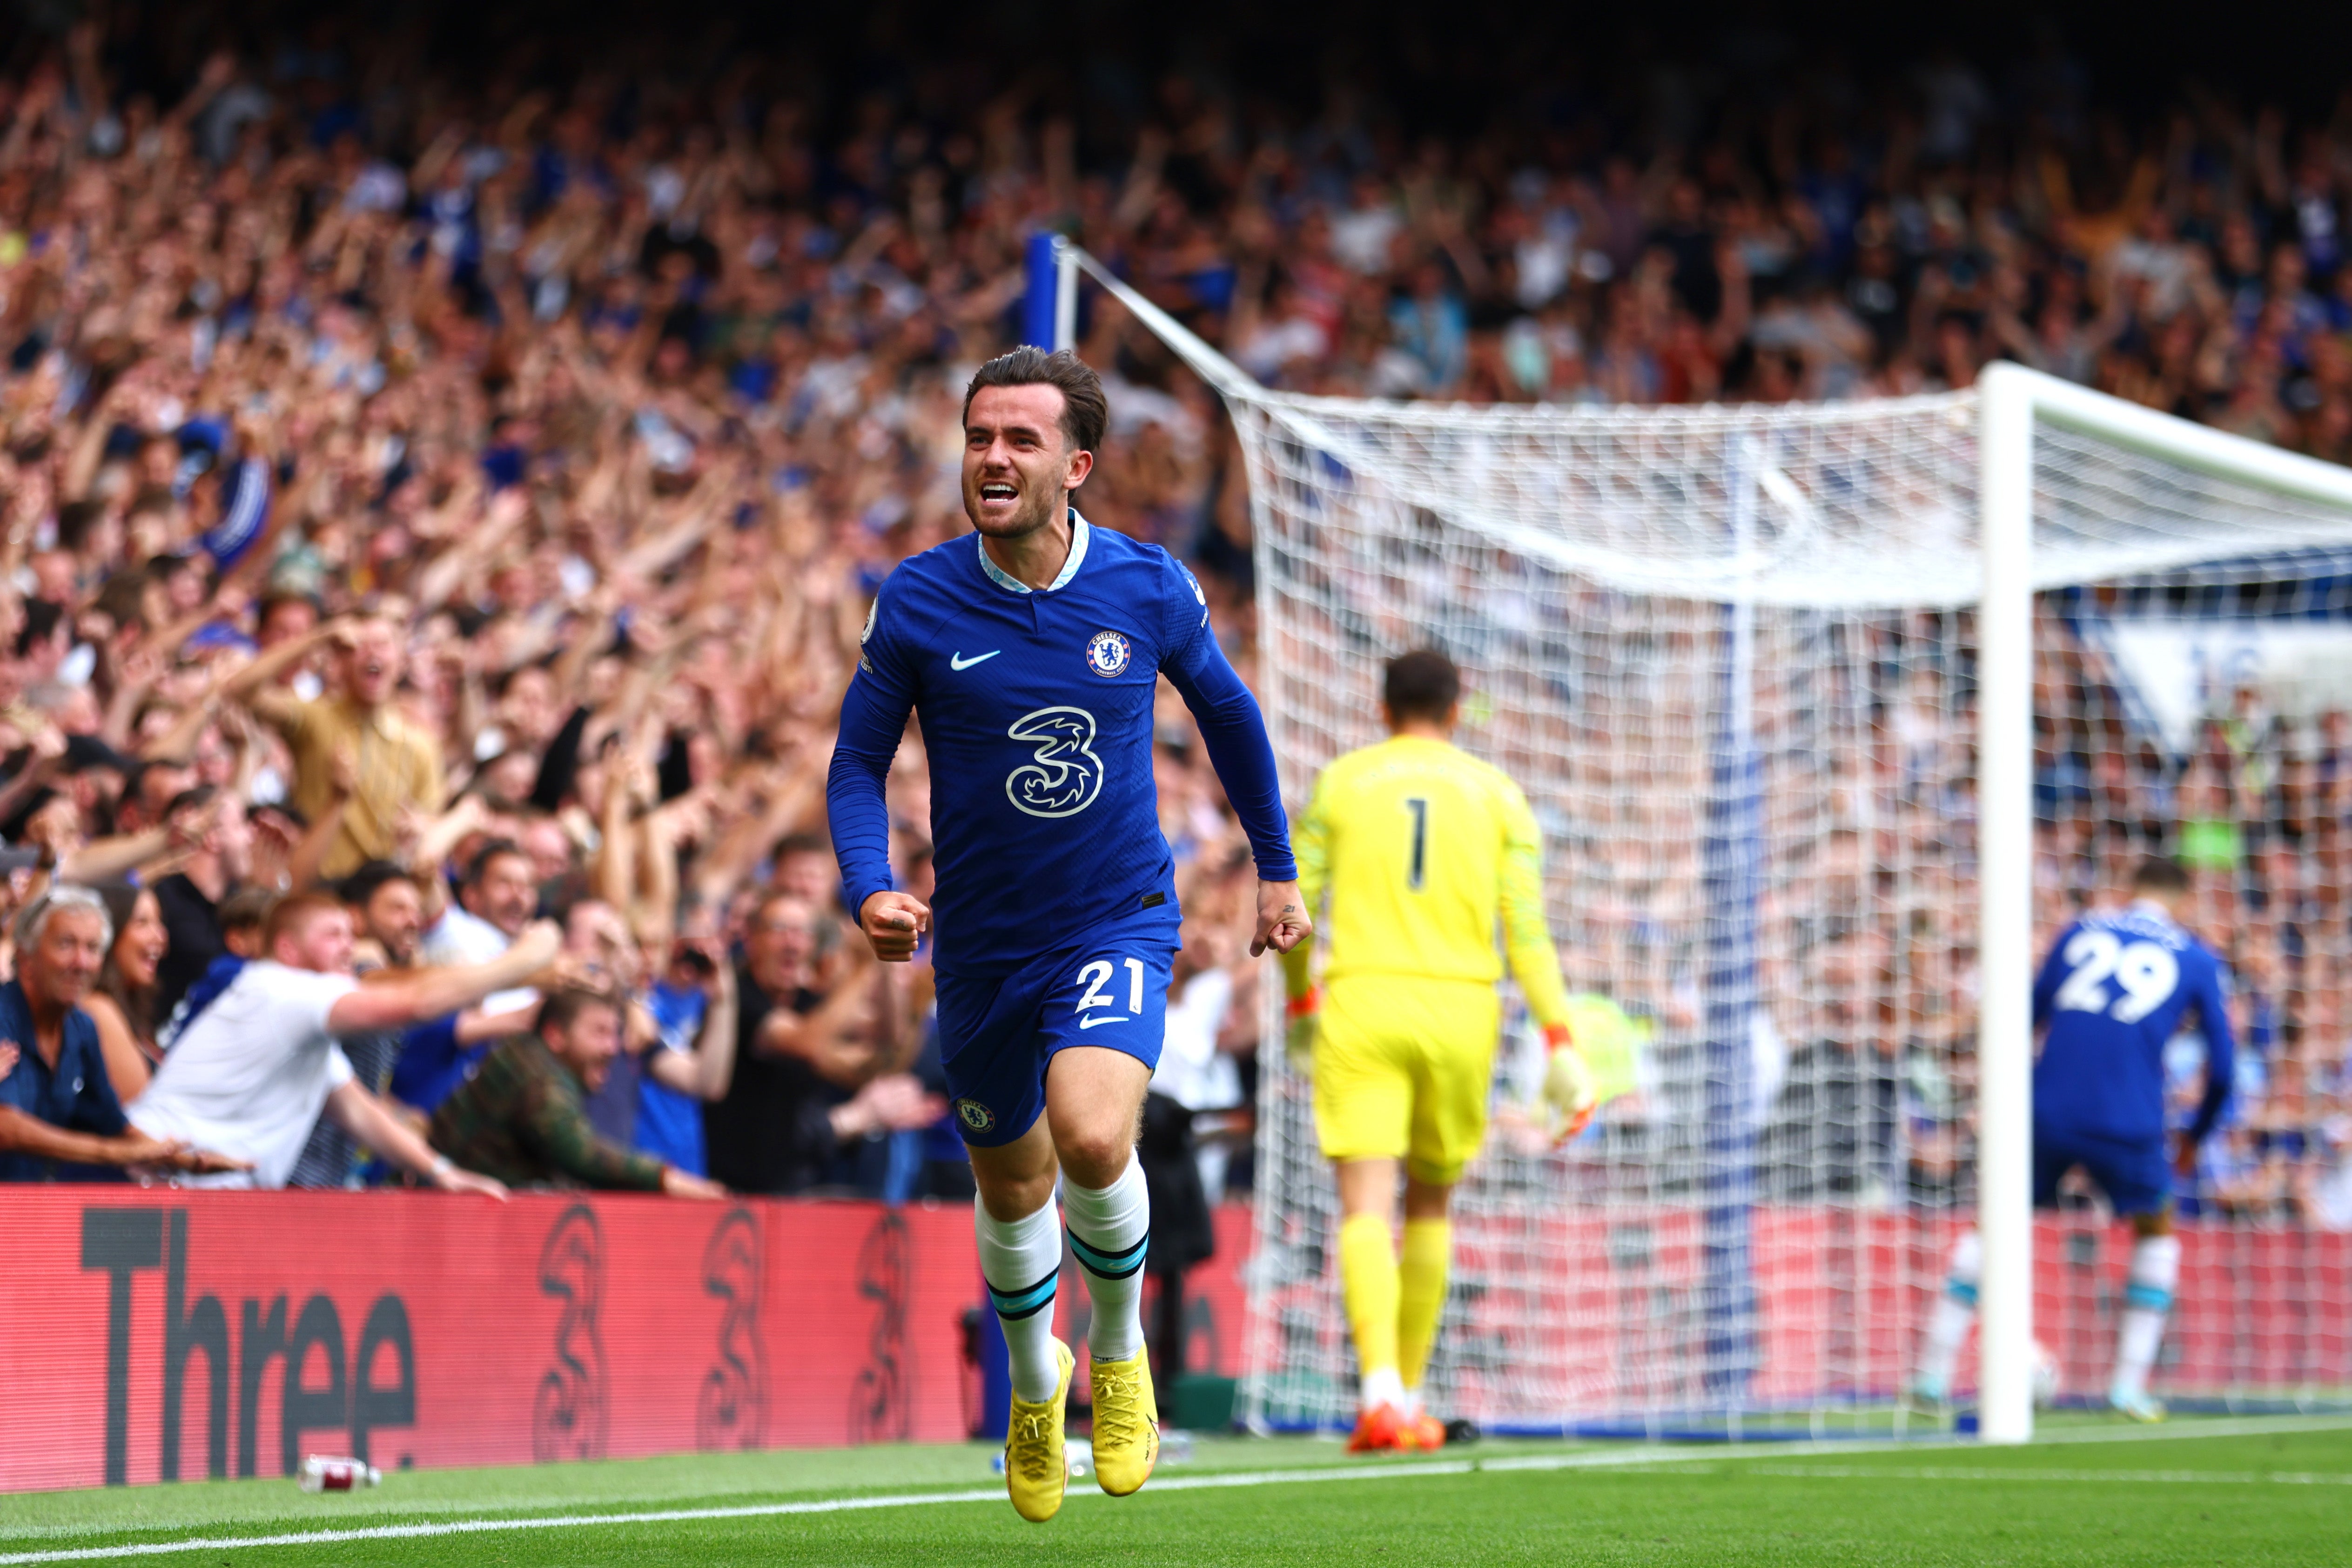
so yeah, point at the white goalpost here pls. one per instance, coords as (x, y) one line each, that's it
(2012, 403)
(1832, 714)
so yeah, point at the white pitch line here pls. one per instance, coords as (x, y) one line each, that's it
(2166, 1478)
(1645, 1458)
(2225, 1426)
(484, 1526)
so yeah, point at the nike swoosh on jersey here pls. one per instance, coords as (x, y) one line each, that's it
(1090, 1023)
(957, 661)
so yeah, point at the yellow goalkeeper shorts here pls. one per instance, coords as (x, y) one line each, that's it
(1403, 1066)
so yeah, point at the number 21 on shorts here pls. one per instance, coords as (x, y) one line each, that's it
(1098, 975)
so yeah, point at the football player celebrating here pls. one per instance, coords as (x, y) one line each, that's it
(2119, 986)
(1032, 651)
(1425, 849)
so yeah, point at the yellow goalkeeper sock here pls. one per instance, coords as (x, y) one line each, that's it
(1368, 1280)
(1428, 1249)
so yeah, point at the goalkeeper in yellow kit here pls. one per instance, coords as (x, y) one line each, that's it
(1425, 850)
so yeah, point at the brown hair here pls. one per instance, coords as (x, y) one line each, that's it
(567, 1003)
(248, 908)
(1423, 684)
(138, 1002)
(1085, 411)
(496, 849)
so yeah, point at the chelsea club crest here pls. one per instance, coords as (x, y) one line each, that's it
(1106, 654)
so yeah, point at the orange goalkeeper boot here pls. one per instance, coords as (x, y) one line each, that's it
(1382, 1429)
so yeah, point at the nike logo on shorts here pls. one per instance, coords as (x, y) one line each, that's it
(1090, 1023)
(957, 661)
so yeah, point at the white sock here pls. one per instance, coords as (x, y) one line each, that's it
(1021, 1261)
(1384, 1387)
(2148, 1297)
(1411, 1404)
(1111, 1231)
(1955, 1310)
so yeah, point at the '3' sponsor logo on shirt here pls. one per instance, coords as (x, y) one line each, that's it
(1064, 776)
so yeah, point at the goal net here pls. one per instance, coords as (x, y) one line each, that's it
(1732, 657)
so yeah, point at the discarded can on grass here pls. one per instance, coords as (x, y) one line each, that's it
(337, 1473)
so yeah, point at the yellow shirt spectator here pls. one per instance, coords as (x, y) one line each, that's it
(394, 766)
(397, 766)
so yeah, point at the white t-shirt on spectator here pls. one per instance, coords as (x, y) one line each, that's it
(1192, 1071)
(461, 936)
(249, 1077)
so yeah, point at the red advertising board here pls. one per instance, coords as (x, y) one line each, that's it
(1608, 1313)
(160, 1335)
(152, 1335)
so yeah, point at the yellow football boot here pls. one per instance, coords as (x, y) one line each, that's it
(1037, 1471)
(1127, 1423)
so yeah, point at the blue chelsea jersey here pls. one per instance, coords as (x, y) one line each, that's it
(1036, 713)
(2116, 987)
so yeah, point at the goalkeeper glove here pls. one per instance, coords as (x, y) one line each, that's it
(1300, 1030)
(1568, 1085)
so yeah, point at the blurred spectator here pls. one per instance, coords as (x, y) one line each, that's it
(244, 917)
(387, 916)
(189, 898)
(122, 1004)
(250, 1074)
(691, 1061)
(395, 762)
(495, 903)
(58, 1112)
(522, 1119)
(805, 1079)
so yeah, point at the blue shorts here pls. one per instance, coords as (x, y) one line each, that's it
(998, 1033)
(2135, 1175)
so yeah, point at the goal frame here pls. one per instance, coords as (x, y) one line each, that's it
(2012, 402)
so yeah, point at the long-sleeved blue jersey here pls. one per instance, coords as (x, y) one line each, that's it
(1036, 708)
(2116, 986)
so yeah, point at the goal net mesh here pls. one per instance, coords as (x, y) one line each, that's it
(1728, 655)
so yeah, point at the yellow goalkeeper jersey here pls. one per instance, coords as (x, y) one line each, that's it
(1425, 850)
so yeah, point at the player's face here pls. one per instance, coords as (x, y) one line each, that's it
(1018, 467)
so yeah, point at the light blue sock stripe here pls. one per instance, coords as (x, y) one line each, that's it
(1961, 1291)
(1020, 1303)
(2147, 1297)
(1110, 1265)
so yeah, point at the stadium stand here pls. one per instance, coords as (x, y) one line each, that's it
(410, 458)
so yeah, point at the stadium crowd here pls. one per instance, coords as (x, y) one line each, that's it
(462, 491)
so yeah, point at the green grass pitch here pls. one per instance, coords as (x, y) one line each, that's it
(2252, 1491)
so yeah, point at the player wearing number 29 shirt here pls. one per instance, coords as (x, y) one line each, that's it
(2117, 986)
(1031, 651)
